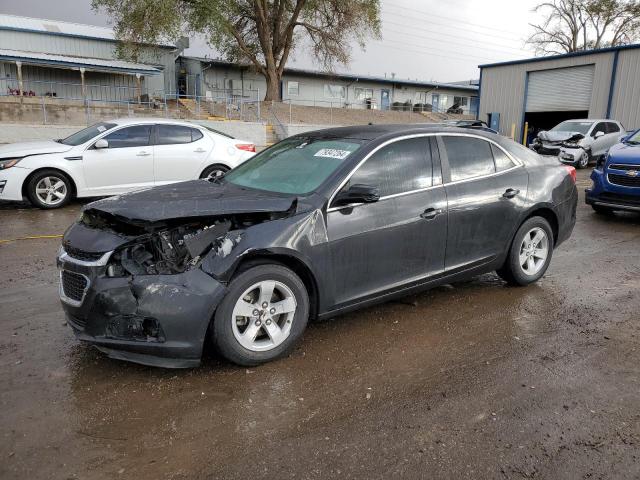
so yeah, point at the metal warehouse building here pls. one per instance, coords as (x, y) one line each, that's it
(544, 91)
(68, 60)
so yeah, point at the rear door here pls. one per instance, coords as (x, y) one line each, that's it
(181, 152)
(398, 239)
(486, 190)
(125, 165)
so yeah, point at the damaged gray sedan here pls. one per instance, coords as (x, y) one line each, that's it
(315, 226)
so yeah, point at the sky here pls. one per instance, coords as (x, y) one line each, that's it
(429, 40)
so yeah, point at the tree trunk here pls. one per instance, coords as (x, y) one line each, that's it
(273, 87)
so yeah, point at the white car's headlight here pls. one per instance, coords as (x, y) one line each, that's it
(8, 162)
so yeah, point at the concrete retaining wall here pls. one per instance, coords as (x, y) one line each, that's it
(290, 130)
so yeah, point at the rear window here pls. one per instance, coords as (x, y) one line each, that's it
(296, 165)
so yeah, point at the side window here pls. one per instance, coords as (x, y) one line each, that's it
(196, 134)
(501, 159)
(468, 157)
(136, 136)
(400, 167)
(174, 134)
(600, 127)
(612, 127)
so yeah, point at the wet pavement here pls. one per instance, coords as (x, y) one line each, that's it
(475, 380)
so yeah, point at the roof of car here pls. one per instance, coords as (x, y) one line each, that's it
(139, 120)
(371, 132)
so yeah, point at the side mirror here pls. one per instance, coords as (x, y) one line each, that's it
(102, 143)
(599, 134)
(357, 193)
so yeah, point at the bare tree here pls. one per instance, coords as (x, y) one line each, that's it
(575, 25)
(262, 33)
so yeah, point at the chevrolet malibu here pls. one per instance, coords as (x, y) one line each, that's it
(115, 157)
(315, 226)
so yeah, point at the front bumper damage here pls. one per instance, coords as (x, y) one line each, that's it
(158, 320)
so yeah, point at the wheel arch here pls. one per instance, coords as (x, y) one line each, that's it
(549, 215)
(214, 164)
(298, 266)
(25, 184)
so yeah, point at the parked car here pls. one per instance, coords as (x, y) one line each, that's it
(315, 226)
(577, 142)
(115, 157)
(616, 179)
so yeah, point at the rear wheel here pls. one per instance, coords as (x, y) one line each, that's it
(530, 253)
(262, 316)
(49, 189)
(213, 172)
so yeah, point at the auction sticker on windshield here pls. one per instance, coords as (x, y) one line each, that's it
(332, 153)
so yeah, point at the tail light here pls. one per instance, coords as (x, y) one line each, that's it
(247, 147)
(572, 172)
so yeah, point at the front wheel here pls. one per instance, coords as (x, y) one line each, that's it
(262, 316)
(49, 189)
(530, 253)
(584, 160)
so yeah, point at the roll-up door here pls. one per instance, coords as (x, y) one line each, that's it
(561, 89)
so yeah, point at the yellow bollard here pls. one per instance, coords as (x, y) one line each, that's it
(526, 132)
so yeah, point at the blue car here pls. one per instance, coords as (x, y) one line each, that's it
(616, 178)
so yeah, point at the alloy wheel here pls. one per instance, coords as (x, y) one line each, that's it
(534, 251)
(215, 174)
(263, 315)
(584, 159)
(51, 190)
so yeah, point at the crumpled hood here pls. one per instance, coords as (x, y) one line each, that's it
(558, 137)
(25, 149)
(196, 198)
(625, 153)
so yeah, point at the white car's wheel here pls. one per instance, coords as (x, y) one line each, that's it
(214, 172)
(49, 189)
(584, 159)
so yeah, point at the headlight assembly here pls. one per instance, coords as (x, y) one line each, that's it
(8, 162)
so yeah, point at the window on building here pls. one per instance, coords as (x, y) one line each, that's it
(363, 93)
(334, 91)
(468, 157)
(462, 101)
(400, 167)
(293, 88)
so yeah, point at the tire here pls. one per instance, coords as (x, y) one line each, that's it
(214, 171)
(600, 210)
(513, 271)
(49, 189)
(245, 340)
(584, 160)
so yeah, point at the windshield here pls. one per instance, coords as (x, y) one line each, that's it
(87, 134)
(295, 165)
(634, 138)
(580, 127)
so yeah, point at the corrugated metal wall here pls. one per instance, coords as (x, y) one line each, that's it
(625, 105)
(503, 87)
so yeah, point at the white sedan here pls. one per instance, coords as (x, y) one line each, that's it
(115, 157)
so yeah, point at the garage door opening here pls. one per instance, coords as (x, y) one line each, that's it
(539, 121)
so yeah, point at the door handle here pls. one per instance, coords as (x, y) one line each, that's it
(142, 154)
(199, 150)
(511, 193)
(430, 213)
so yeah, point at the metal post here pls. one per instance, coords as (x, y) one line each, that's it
(139, 86)
(44, 112)
(290, 119)
(258, 100)
(128, 108)
(20, 84)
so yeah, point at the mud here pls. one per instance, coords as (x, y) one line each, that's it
(475, 380)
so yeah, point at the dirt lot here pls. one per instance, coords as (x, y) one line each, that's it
(468, 381)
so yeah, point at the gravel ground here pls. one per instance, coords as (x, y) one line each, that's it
(476, 380)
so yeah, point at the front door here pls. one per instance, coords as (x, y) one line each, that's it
(127, 163)
(486, 191)
(384, 99)
(398, 239)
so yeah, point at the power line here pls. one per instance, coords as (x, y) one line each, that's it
(455, 20)
(450, 42)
